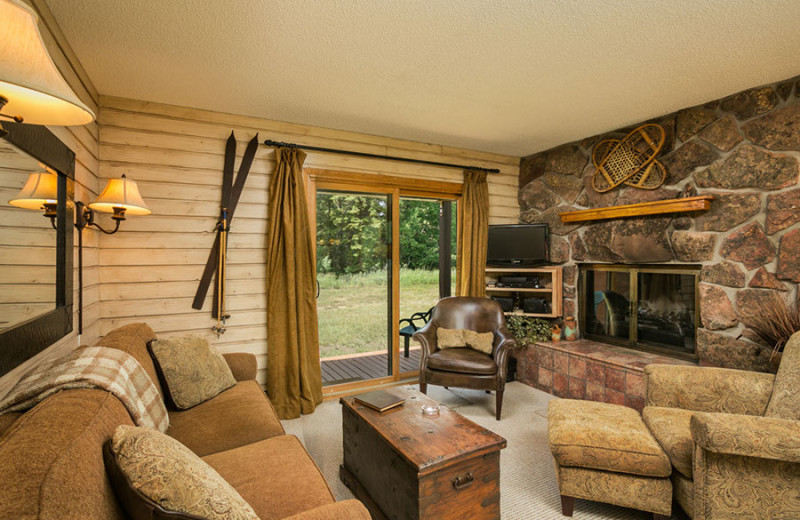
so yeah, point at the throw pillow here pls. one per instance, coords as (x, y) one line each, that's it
(192, 369)
(153, 472)
(450, 338)
(480, 341)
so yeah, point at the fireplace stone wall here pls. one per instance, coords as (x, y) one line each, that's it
(744, 150)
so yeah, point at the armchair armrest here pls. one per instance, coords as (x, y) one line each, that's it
(426, 336)
(747, 436)
(707, 389)
(505, 344)
(344, 510)
(242, 364)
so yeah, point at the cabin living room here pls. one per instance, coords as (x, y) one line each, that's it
(353, 260)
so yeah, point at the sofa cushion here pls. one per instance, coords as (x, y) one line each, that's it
(133, 339)
(193, 370)
(166, 473)
(672, 429)
(52, 464)
(275, 476)
(603, 436)
(240, 415)
(784, 403)
(462, 360)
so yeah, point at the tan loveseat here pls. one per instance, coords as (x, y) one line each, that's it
(733, 437)
(51, 463)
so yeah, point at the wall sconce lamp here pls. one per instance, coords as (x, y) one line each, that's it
(31, 88)
(120, 197)
(39, 192)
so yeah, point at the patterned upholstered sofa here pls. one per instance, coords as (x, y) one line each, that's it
(733, 437)
(51, 462)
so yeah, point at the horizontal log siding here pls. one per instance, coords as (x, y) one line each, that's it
(150, 269)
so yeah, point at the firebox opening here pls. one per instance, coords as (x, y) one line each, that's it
(644, 307)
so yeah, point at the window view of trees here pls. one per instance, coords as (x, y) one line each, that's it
(352, 232)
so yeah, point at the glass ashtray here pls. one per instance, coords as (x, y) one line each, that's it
(430, 410)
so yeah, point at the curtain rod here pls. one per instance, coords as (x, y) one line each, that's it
(270, 142)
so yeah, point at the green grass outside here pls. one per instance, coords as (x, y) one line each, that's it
(353, 309)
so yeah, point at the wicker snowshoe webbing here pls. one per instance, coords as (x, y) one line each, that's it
(650, 177)
(619, 161)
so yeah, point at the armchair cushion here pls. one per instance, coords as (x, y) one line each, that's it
(463, 361)
(671, 428)
(784, 402)
(707, 389)
(457, 338)
(747, 436)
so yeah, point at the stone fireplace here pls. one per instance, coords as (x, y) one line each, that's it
(745, 151)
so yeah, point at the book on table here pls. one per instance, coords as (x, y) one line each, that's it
(379, 400)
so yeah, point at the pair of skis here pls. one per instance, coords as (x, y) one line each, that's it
(217, 258)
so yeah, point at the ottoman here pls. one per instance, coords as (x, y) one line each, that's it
(604, 452)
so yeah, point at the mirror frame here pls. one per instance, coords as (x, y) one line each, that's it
(27, 339)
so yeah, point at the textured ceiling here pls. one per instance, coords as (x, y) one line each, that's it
(508, 76)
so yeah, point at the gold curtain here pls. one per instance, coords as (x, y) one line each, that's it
(473, 235)
(294, 383)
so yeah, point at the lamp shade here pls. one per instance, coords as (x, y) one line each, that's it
(29, 79)
(120, 193)
(40, 189)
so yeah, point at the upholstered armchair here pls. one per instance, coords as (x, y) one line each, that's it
(465, 367)
(733, 437)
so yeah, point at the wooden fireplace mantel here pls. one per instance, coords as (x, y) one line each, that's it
(659, 207)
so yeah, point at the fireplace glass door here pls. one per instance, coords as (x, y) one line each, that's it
(644, 307)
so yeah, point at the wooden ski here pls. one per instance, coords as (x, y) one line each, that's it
(231, 193)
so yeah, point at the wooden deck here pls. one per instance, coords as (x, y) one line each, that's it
(361, 367)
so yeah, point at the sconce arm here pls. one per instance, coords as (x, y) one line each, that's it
(84, 216)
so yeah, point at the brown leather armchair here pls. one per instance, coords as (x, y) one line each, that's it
(464, 367)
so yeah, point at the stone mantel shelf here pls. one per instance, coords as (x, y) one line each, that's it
(699, 203)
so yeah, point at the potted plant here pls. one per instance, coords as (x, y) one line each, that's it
(527, 329)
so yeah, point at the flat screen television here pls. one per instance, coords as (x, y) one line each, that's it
(520, 245)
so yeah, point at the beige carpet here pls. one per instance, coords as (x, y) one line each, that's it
(528, 488)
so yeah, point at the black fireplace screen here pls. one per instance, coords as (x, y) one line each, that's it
(650, 308)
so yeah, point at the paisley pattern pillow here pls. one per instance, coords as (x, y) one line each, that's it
(168, 473)
(193, 370)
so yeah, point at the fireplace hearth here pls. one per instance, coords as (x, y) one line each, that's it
(651, 308)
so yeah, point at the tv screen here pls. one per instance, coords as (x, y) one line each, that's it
(517, 245)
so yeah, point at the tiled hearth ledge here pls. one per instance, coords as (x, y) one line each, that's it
(585, 369)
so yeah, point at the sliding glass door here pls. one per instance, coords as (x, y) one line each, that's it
(427, 265)
(354, 260)
(384, 253)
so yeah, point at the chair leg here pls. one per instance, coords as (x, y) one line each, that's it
(406, 348)
(423, 386)
(499, 406)
(568, 505)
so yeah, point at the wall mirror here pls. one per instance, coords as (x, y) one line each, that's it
(35, 253)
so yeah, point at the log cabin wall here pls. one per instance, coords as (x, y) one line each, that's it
(84, 141)
(149, 271)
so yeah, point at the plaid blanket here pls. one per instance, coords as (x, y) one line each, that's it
(94, 367)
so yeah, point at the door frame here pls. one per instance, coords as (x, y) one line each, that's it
(335, 180)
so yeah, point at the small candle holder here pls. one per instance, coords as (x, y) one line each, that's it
(430, 410)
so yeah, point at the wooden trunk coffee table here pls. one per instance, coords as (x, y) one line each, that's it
(404, 465)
